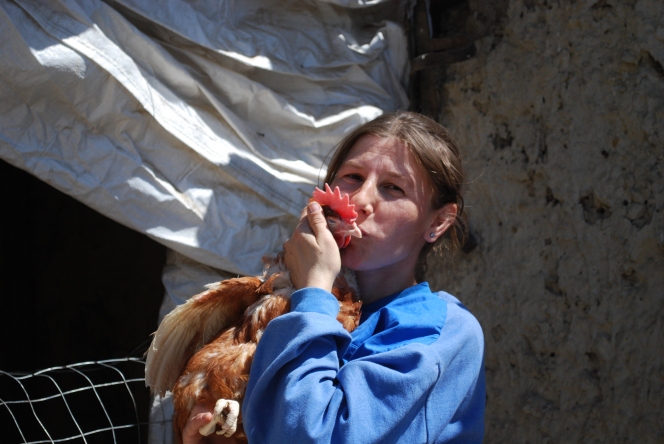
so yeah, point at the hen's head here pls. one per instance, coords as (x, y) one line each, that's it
(339, 213)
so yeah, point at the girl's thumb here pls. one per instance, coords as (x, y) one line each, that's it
(316, 217)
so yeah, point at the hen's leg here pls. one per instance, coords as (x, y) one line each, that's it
(225, 414)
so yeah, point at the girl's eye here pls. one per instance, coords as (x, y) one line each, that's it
(394, 188)
(353, 177)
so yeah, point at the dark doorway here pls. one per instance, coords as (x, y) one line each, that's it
(74, 285)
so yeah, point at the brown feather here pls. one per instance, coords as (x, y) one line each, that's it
(222, 327)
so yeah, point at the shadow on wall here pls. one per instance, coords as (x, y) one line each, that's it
(74, 285)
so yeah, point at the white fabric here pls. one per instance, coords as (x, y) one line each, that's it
(201, 124)
(161, 420)
(183, 278)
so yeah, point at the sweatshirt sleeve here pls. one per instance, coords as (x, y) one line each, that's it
(299, 392)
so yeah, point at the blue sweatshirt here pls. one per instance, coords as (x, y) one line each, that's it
(412, 372)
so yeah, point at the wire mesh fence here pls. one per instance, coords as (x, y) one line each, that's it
(89, 402)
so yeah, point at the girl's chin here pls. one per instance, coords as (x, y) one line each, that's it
(357, 262)
(350, 257)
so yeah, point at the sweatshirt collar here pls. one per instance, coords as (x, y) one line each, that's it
(369, 309)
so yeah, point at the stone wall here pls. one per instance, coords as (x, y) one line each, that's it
(561, 116)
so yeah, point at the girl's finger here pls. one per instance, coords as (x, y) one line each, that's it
(190, 434)
(316, 219)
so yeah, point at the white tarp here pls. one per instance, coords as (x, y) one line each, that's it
(203, 124)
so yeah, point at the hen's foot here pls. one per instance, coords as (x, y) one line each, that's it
(225, 414)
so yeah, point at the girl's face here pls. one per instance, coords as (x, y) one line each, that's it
(392, 197)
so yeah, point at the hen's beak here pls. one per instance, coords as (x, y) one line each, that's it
(343, 236)
(351, 230)
(341, 230)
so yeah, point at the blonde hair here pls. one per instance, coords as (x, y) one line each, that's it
(438, 156)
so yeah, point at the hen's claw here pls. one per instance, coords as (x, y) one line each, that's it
(226, 412)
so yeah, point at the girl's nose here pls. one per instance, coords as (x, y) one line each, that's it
(363, 198)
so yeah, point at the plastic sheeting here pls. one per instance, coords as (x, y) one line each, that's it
(203, 124)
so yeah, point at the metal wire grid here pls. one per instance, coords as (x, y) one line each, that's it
(89, 402)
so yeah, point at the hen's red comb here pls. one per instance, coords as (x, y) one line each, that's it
(340, 204)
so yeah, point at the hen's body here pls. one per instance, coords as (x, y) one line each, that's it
(215, 333)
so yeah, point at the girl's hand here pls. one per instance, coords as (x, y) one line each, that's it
(201, 415)
(311, 254)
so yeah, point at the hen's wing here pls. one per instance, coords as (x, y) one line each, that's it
(191, 325)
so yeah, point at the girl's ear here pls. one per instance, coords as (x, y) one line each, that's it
(444, 218)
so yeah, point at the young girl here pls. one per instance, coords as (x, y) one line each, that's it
(412, 372)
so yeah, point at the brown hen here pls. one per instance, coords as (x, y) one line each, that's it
(202, 350)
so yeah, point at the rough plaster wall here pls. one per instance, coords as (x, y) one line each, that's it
(561, 116)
